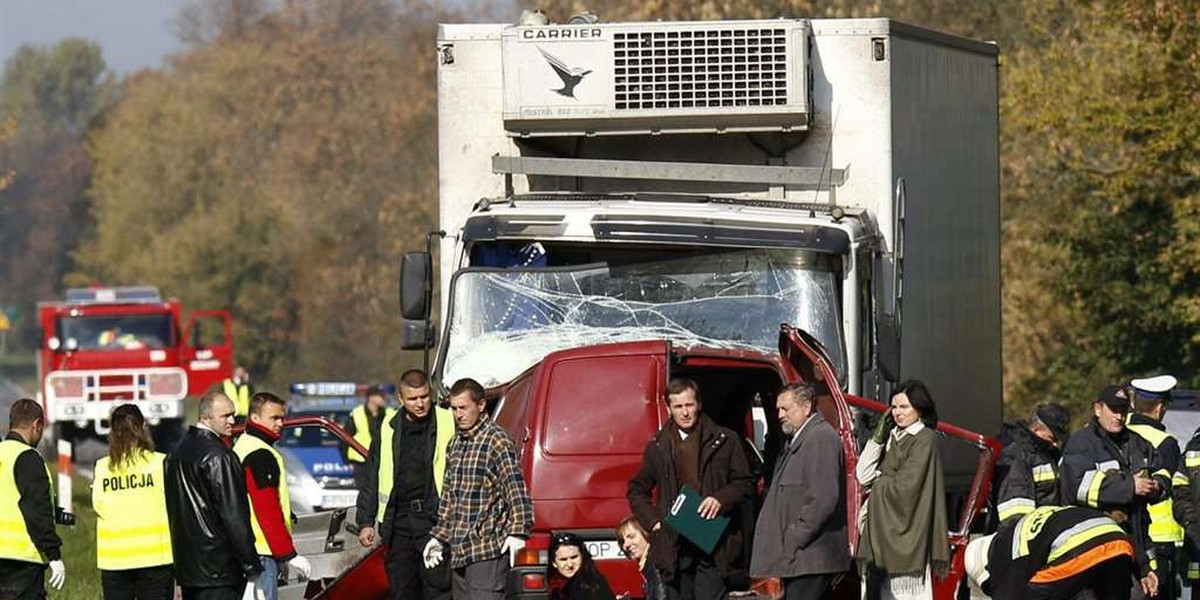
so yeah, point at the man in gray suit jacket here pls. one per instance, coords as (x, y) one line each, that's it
(801, 531)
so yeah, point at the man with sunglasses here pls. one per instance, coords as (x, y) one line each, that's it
(398, 501)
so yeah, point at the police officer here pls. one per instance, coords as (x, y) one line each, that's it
(365, 421)
(1106, 467)
(27, 516)
(1027, 470)
(398, 504)
(239, 390)
(1150, 399)
(133, 538)
(1053, 553)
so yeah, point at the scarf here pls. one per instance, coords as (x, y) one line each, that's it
(906, 527)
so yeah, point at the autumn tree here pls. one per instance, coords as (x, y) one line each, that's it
(49, 97)
(279, 172)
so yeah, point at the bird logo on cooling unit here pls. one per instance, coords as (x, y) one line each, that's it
(569, 76)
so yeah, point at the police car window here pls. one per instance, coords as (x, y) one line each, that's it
(312, 436)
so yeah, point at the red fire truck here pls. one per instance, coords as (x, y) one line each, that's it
(107, 346)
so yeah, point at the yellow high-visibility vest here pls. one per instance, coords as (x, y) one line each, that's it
(15, 543)
(444, 421)
(240, 394)
(242, 448)
(131, 513)
(1163, 527)
(362, 429)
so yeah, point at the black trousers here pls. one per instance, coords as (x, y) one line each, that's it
(806, 587)
(214, 593)
(408, 578)
(1109, 580)
(21, 580)
(696, 577)
(149, 583)
(1168, 570)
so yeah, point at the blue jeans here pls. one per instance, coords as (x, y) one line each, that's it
(270, 577)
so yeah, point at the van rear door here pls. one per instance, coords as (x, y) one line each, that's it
(600, 406)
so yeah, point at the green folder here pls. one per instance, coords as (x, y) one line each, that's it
(685, 518)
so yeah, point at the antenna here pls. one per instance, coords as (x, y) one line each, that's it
(828, 152)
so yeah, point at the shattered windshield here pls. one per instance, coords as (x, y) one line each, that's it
(503, 321)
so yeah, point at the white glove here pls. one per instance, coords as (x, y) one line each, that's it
(58, 574)
(302, 565)
(432, 553)
(512, 545)
(254, 591)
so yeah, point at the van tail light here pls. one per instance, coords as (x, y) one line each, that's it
(533, 581)
(536, 551)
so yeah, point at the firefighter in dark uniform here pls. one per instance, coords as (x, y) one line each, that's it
(1027, 470)
(1187, 510)
(1150, 398)
(1106, 467)
(1054, 553)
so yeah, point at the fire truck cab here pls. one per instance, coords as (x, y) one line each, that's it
(102, 347)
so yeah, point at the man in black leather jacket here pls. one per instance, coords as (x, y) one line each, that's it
(208, 509)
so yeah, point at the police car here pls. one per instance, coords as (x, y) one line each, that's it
(319, 476)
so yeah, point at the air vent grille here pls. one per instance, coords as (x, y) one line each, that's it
(702, 68)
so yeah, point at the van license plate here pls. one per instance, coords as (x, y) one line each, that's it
(604, 549)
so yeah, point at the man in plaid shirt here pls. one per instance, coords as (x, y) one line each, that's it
(484, 512)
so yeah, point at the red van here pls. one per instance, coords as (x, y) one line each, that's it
(582, 417)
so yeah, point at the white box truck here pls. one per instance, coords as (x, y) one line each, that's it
(842, 174)
(698, 184)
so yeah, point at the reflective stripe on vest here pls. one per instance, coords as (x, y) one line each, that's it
(240, 394)
(245, 445)
(15, 543)
(136, 488)
(362, 429)
(444, 421)
(1043, 473)
(1163, 527)
(1029, 527)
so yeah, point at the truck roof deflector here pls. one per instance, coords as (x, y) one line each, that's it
(801, 177)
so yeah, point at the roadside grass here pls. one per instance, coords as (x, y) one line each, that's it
(79, 549)
(21, 369)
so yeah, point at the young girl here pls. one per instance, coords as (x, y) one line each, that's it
(573, 574)
(636, 545)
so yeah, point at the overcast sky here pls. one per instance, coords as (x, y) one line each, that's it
(133, 34)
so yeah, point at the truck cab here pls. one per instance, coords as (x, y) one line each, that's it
(107, 346)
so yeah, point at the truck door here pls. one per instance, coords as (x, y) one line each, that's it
(804, 360)
(207, 354)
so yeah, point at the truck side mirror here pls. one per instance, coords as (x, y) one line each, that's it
(888, 347)
(417, 335)
(416, 286)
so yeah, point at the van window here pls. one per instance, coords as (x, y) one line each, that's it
(603, 405)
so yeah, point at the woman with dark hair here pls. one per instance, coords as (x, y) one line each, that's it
(573, 574)
(903, 540)
(133, 541)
